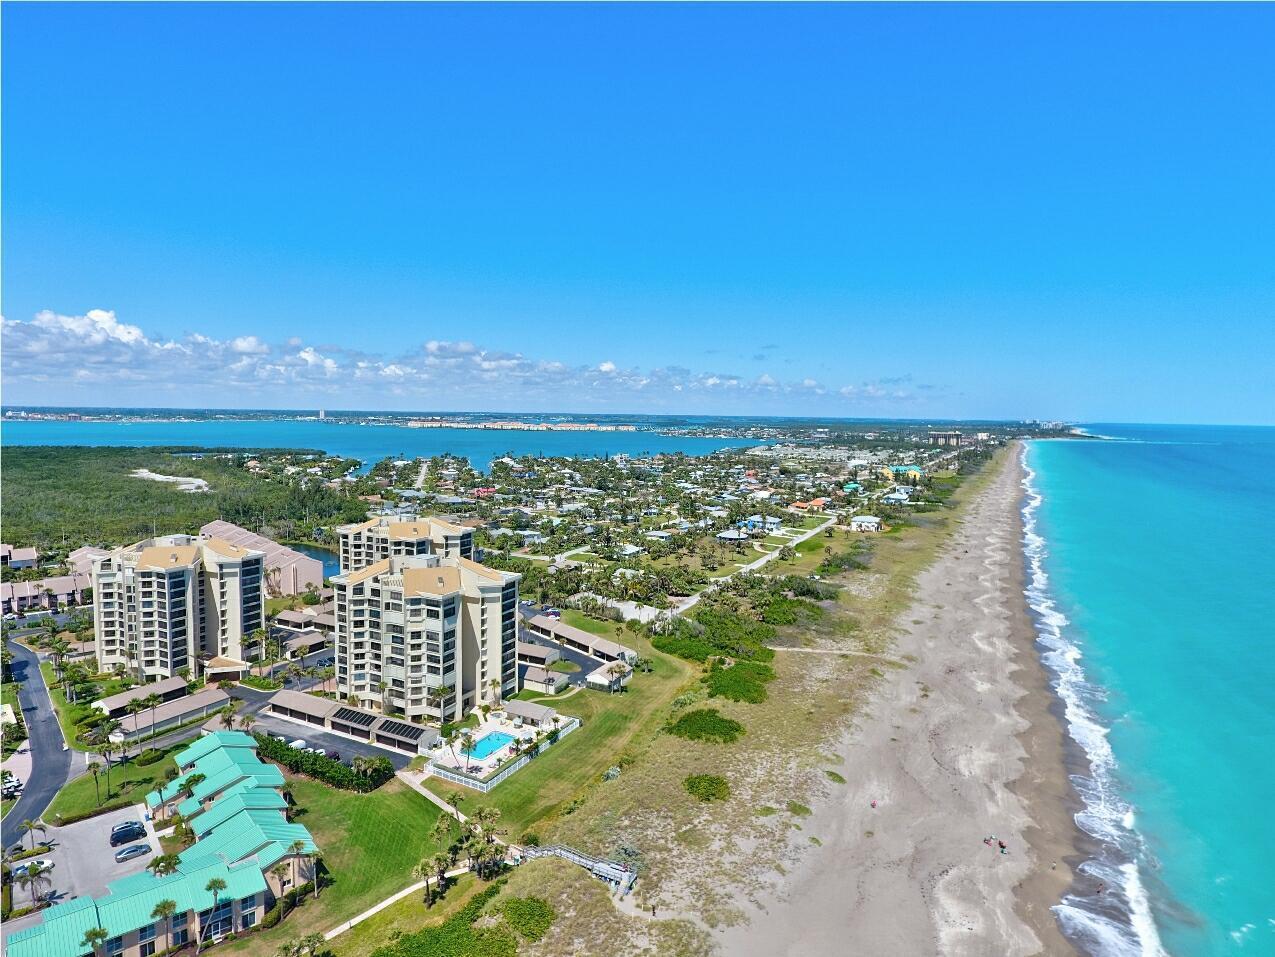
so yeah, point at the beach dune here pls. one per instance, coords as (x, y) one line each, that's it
(956, 748)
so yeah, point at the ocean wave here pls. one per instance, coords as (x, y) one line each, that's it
(1119, 922)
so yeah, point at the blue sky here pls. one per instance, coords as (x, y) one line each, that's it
(991, 210)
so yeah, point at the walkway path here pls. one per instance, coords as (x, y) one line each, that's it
(420, 477)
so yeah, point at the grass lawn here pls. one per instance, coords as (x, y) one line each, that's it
(9, 696)
(610, 725)
(6, 804)
(129, 784)
(564, 666)
(276, 605)
(405, 917)
(578, 619)
(370, 843)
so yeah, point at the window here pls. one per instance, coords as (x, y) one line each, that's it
(249, 918)
(146, 948)
(249, 902)
(146, 933)
(115, 945)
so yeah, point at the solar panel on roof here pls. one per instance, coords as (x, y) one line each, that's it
(401, 730)
(352, 716)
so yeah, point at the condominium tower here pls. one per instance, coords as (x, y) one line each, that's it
(428, 636)
(175, 602)
(368, 542)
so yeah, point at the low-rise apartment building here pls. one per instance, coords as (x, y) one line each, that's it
(426, 636)
(175, 602)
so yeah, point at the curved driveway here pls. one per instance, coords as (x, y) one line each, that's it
(50, 763)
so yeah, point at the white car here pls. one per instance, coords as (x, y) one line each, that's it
(299, 744)
(20, 870)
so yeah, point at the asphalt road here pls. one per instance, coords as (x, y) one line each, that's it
(50, 764)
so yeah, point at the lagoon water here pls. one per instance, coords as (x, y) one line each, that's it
(1152, 573)
(368, 443)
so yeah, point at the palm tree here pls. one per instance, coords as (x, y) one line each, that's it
(164, 865)
(106, 750)
(280, 871)
(424, 870)
(441, 862)
(316, 859)
(247, 720)
(486, 818)
(310, 944)
(441, 834)
(495, 691)
(152, 701)
(164, 911)
(295, 850)
(193, 782)
(260, 635)
(134, 708)
(95, 770)
(466, 746)
(30, 827)
(35, 878)
(214, 887)
(94, 938)
(228, 715)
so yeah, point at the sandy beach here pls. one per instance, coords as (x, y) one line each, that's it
(959, 746)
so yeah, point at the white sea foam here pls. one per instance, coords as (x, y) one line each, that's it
(1119, 923)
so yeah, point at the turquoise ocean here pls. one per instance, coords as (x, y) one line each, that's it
(1151, 570)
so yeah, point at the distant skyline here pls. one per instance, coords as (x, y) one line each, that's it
(919, 211)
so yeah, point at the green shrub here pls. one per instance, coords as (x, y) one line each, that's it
(273, 916)
(261, 683)
(707, 787)
(740, 681)
(457, 936)
(800, 810)
(23, 855)
(149, 756)
(531, 840)
(529, 916)
(323, 768)
(706, 724)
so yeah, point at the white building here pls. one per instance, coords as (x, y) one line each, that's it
(426, 636)
(176, 602)
(366, 543)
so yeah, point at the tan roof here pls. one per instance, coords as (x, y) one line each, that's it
(363, 574)
(431, 581)
(162, 687)
(223, 547)
(448, 528)
(479, 569)
(407, 531)
(167, 556)
(305, 703)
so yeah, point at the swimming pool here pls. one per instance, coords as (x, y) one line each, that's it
(489, 744)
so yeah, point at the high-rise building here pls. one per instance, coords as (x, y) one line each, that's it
(176, 602)
(427, 636)
(366, 543)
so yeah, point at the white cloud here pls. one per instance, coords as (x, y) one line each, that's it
(114, 362)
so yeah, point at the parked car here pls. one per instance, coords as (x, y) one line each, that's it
(129, 833)
(20, 870)
(125, 826)
(334, 755)
(130, 852)
(299, 744)
(313, 750)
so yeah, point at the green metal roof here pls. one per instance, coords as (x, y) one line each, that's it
(228, 805)
(212, 742)
(263, 832)
(128, 904)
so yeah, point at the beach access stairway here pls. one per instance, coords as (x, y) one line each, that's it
(621, 876)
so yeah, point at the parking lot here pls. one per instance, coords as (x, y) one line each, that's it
(318, 738)
(83, 859)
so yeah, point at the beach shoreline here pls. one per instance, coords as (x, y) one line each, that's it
(965, 742)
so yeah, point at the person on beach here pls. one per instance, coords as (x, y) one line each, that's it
(874, 803)
(1001, 845)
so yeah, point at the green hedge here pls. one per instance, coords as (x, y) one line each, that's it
(150, 756)
(261, 683)
(529, 916)
(322, 768)
(457, 936)
(707, 787)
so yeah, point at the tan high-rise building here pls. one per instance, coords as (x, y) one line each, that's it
(426, 636)
(366, 543)
(174, 602)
